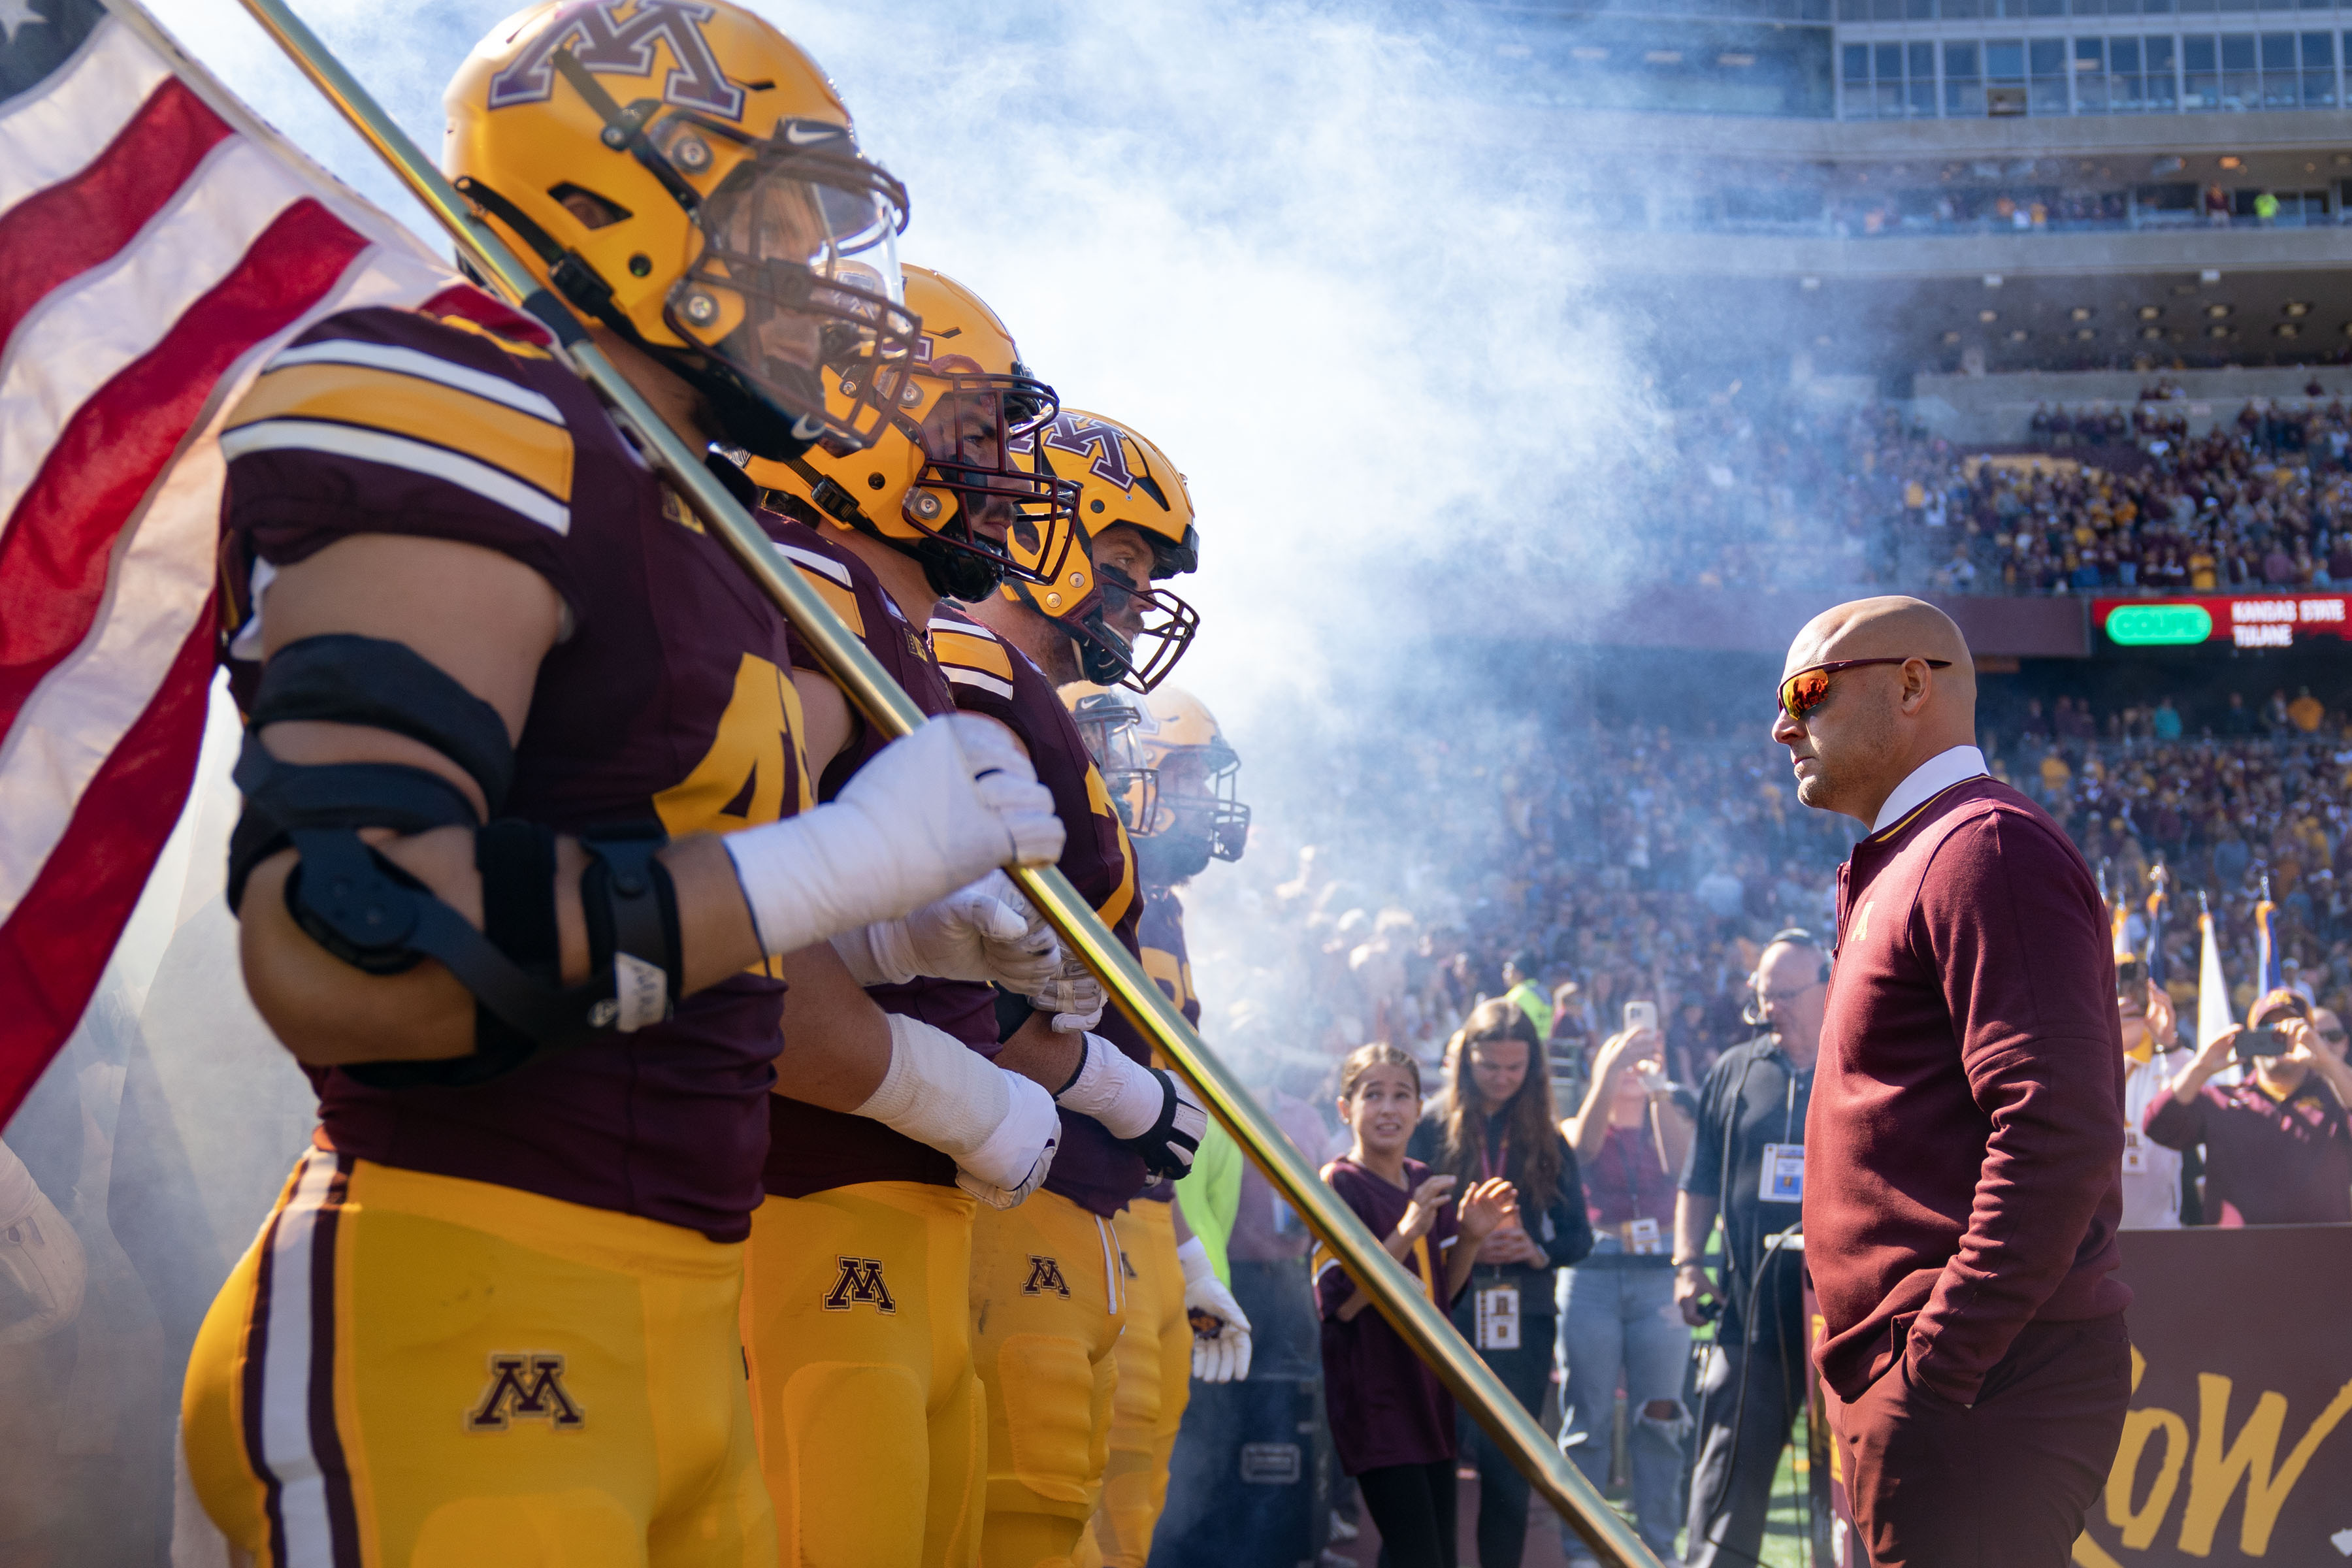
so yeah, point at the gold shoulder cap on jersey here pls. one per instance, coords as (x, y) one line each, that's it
(407, 408)
(505, 344)
(969, 654)
(832, 582)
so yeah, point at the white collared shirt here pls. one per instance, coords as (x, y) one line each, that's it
(1937, 775)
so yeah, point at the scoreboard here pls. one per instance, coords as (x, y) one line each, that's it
(2235, 620)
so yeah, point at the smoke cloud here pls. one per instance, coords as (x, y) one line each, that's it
(1298, 245)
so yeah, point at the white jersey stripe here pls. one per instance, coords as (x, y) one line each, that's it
(817, 563)
(399, 452)
(161, 582)
(287, 1333)
(425, 367)
(967, 629)
(962, 676)
(82, 337)
(57, 132)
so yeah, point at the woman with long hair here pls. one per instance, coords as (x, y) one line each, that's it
(1494, 1118)
(1617, 1312)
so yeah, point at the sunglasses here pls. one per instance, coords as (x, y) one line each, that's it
(1808, 689)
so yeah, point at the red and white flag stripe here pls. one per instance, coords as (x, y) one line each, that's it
(157, 245)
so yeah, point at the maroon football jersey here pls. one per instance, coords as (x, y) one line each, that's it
(811, 1149)
(670, 698)
(1160, 926)
(1091, 1168)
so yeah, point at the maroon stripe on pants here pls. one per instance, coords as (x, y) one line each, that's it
(326, 1440)
(257, 1343)
(2004, 1483)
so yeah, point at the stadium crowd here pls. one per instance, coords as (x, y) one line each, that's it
(1659, 875)
(1775, 494)
(1573, 868)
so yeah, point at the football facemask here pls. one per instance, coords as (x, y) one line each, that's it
(798, 274)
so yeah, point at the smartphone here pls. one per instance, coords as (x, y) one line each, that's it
(1641, 1015)
(2263, 1042)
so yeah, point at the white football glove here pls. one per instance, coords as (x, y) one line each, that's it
(1221, 1330)
(39, 1254)
(998, 1127)
(1072, 994)
(986, 932)
(927, 815)
(1144, 1108)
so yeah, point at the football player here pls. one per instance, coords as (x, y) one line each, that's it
(1177, 775)
(527, 826)
(862, 1359)
(1136, 514)
(1053, 1292)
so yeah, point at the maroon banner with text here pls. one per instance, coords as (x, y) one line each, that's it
(2238, 1448)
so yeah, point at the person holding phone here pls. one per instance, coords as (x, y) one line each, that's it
(1391, 1421)
(2278, 1146)
(2158, 1188)
(1617, 1313)
(1495, 1118)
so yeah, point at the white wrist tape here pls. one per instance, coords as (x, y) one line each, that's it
(1117, 1090)
(939, 1091)
(1194, 1256)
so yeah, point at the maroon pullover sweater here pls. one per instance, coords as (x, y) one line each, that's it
(1965, 1142)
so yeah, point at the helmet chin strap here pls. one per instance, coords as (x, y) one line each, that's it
(951, 573)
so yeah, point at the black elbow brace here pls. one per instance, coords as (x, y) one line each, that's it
(376, 917)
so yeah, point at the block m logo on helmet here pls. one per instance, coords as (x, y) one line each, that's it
(610, 46)
(528, 1385)
(1083, 436)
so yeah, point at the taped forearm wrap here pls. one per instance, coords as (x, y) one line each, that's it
(808, 877)
(940, 1093)
(1117, 1090)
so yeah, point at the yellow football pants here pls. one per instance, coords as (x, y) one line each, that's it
(410, 1371)
(869, 1420)
(1155, 1381)
(1046, 1307)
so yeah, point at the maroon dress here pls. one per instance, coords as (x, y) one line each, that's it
(1385, 1406)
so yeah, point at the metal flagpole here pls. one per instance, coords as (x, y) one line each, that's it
(1396, 1294)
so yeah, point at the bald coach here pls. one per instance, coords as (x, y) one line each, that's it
(1965, 1132)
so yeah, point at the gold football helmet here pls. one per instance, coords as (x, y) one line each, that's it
(1198, 816)
(1127, 632)
(942, 482)
(681, 173)
(1108, 720)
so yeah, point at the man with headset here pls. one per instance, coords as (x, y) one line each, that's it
(1747, 1162)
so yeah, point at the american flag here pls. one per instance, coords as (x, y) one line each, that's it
(157, 243)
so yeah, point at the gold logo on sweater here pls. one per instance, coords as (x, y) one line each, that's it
(1862, 922)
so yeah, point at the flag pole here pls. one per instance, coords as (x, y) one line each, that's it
(1396, 1294)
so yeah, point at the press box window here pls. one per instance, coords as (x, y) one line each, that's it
(1964, 93)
